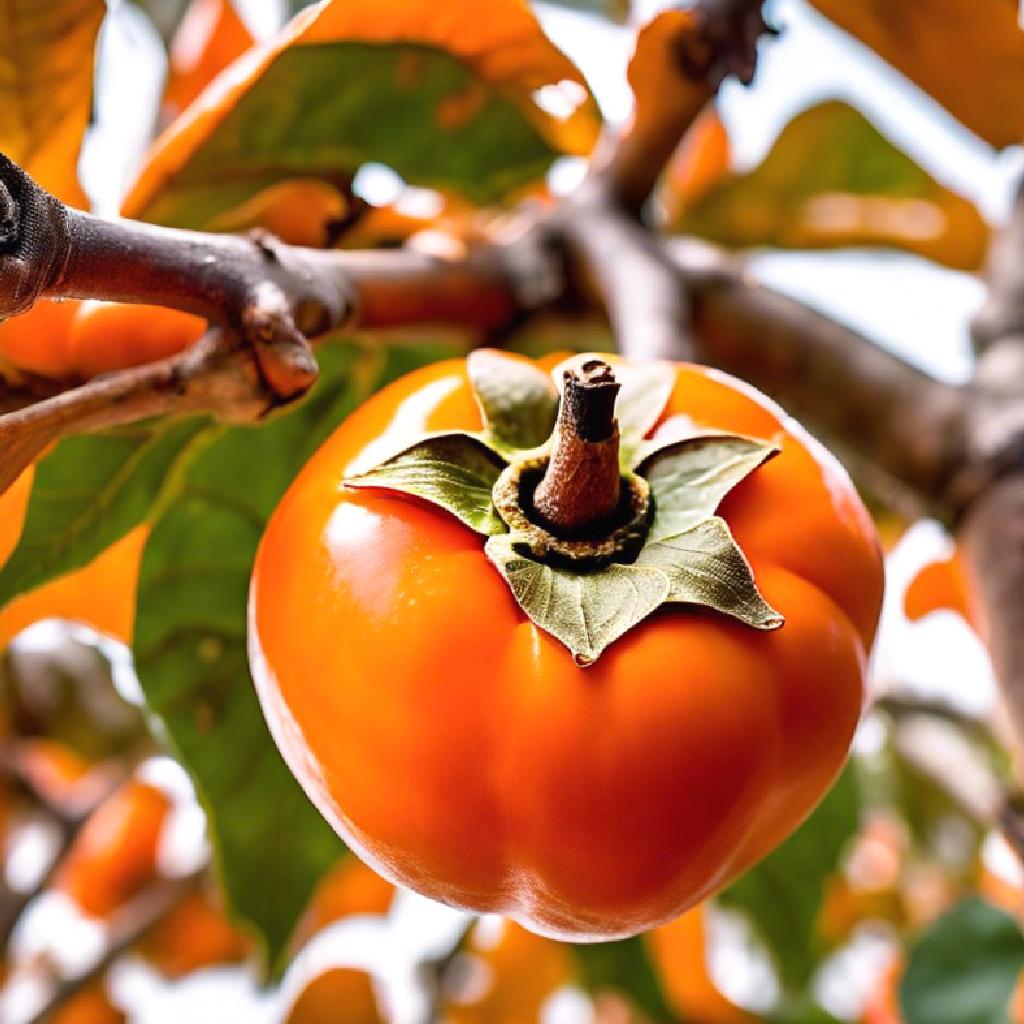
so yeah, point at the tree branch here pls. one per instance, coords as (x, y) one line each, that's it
(681, 58)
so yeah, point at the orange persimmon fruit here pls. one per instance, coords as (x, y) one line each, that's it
(338, 994)
(460, 749)
(114, 855)
(194, 935)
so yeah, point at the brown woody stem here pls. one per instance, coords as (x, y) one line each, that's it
(581, 483)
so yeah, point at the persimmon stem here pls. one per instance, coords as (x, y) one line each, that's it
(581, 483)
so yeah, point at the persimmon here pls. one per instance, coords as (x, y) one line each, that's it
(522, 970)
(107, 336)
(491, 726)
(114, 855)
(680, 953)
(37, 341)
(84, 339)
(194, 935)
(91, 1005)
(339, 994)
(349, 888)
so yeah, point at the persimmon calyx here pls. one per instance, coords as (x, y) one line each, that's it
(664, 544)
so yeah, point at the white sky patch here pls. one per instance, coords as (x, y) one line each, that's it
(378, 184)
(423, 203)
(566, 174)
(561, 99)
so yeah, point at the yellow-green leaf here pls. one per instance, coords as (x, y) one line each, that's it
(46, 68)
(832, 180)
(517, 399)
(967, 54)
(451, 96)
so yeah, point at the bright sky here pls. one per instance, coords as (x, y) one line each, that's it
(907, 304)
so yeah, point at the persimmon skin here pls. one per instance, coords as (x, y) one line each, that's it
(114, 856)
(459, 750)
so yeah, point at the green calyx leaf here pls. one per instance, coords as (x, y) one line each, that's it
(706, 567)
(689, 478)
(689, 555)
(517, 400)
(455, 471)
(585, 611)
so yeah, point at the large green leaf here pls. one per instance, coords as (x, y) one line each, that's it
(417, 87)
(832, 179)
(190, 645)
(782, 895)
(91, 491)
(964, 969)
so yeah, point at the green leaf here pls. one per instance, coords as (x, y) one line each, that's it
(517, 400)
(690, 478)
(427, 90)
(833, 180)
(626, 968)
(91, 491)
(646, 389)
(782, 895)
(964, 969)
(586, 612)
(271, 844)
(706, 567)
(455, 471)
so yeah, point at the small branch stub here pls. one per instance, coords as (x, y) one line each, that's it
(581, 485)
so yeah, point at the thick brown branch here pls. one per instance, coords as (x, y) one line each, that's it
(627, 271)
(992, 529)
(901, 431)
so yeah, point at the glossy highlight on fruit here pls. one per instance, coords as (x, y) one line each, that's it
(460, 751)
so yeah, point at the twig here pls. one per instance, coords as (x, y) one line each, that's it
(132, 925)
(67, 822)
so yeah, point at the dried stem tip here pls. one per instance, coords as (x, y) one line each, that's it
(581, 484)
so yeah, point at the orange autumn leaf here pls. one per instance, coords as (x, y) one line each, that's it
(967, 54)
(702, 160)
(680, 954)
(209, 37)
(941, 585)
(46, 68)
